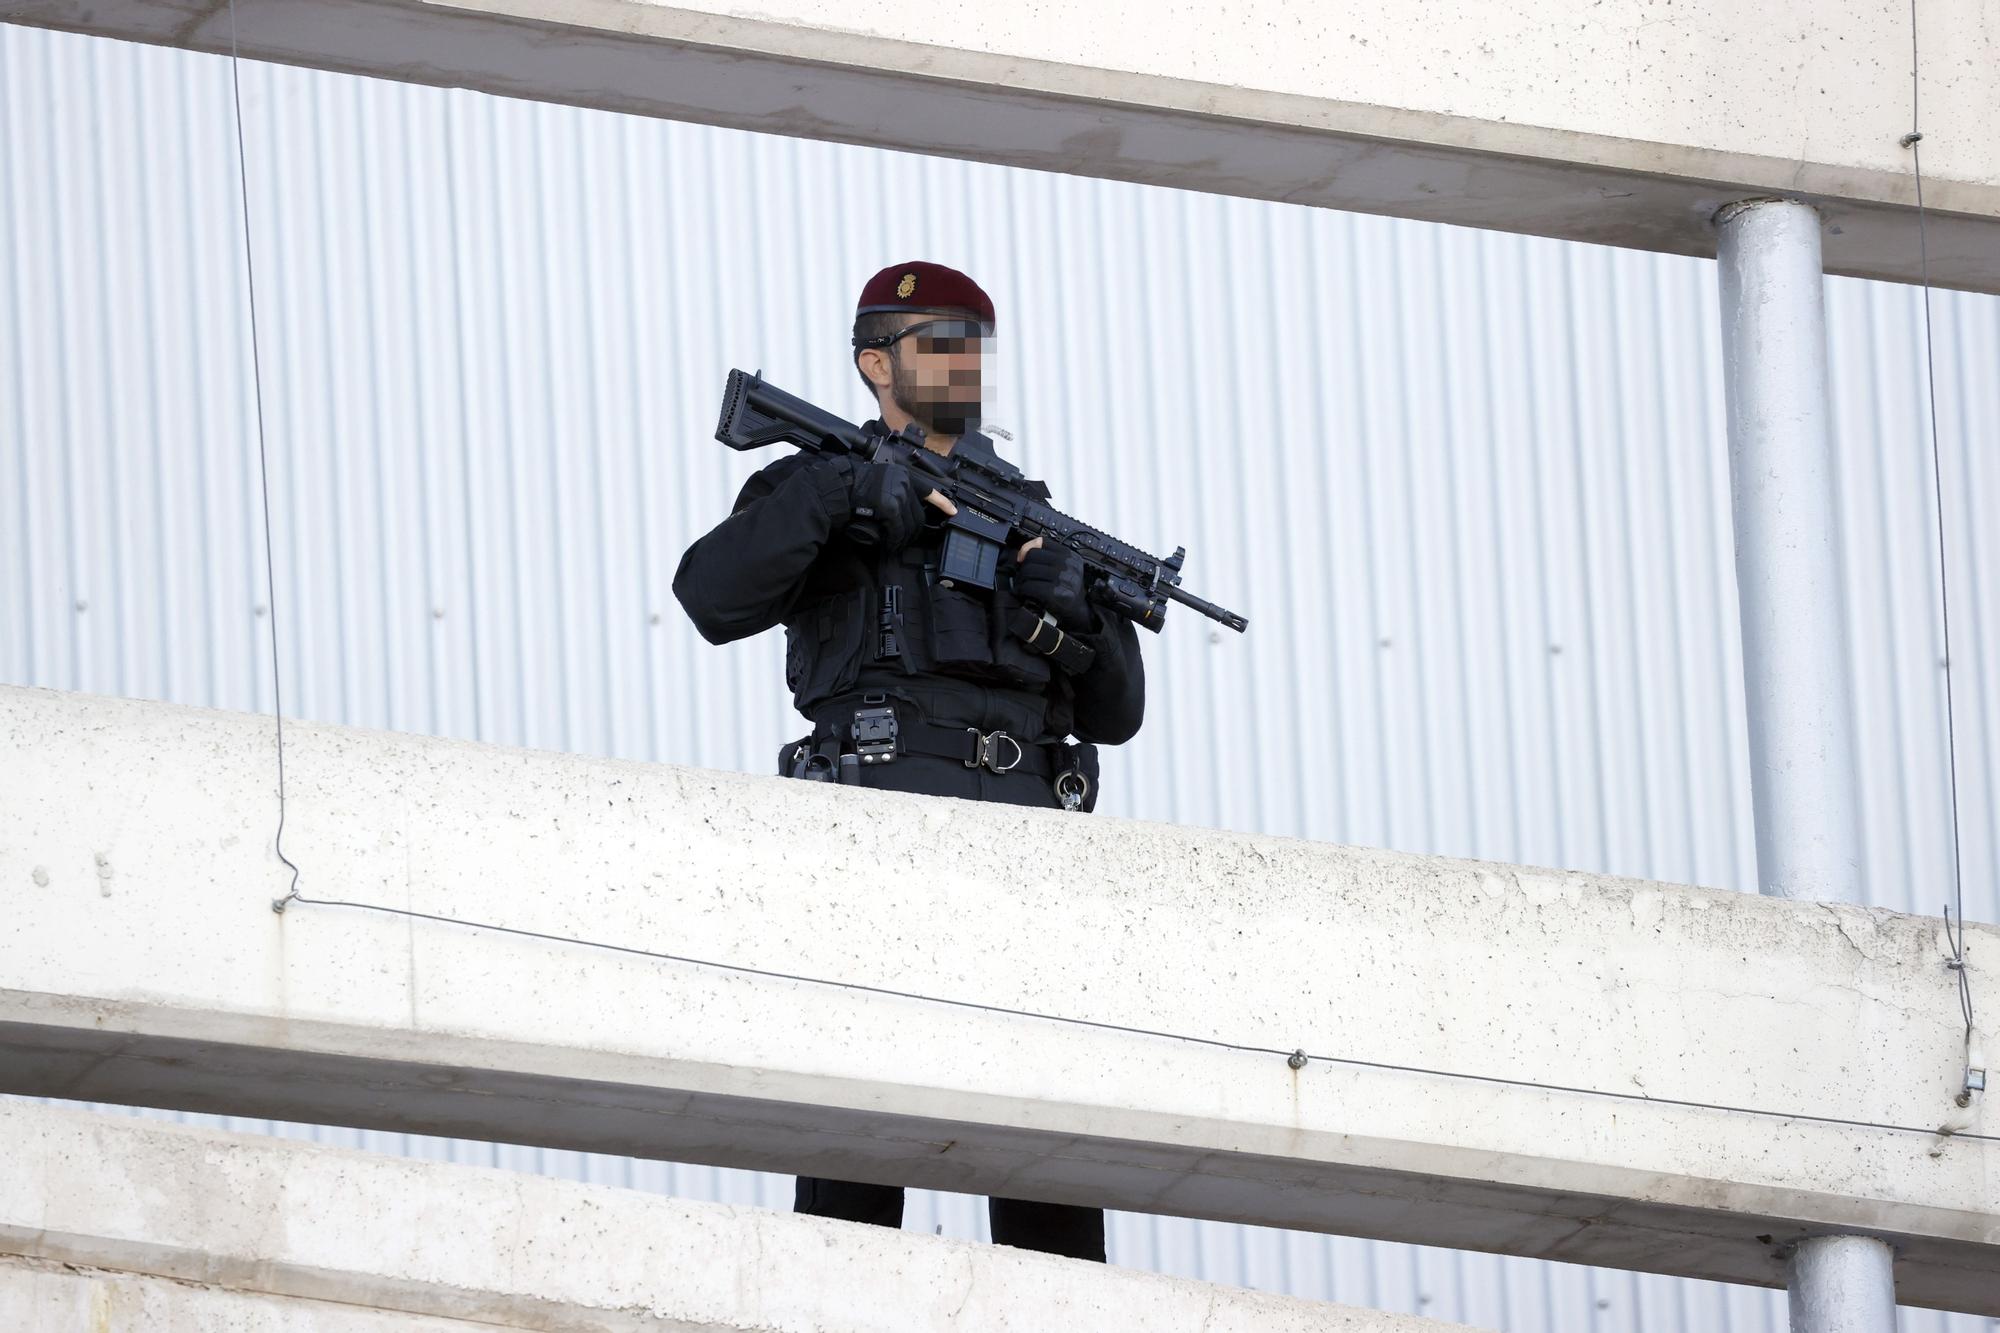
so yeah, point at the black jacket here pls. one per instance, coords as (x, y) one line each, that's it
(781, 557)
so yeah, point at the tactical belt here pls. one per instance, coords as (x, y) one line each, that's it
(878, 736)
(844, 740)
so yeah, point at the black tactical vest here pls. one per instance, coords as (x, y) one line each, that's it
(874, 620)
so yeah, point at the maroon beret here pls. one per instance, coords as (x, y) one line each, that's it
(921, 285)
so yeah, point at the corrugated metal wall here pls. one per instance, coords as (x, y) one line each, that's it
(1471, 489)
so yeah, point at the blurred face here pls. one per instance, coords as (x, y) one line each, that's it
(936, 370)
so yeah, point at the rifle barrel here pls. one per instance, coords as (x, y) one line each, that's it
(1176, 593)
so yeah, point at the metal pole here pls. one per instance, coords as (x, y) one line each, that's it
(1843, 1284)
(1795, 669)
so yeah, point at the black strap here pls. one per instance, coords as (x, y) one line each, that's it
(996, 751)
(1043, 635)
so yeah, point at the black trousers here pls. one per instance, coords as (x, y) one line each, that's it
(1052, 1228)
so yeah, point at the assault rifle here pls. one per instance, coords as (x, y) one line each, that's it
(994, 506)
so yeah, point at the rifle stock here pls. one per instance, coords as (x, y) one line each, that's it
(755, 414)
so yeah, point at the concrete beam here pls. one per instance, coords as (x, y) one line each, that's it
(1617, 121)
(143, 964)
(139, 1227)
(42, 1296)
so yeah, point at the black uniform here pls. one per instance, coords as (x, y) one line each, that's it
(977, 713)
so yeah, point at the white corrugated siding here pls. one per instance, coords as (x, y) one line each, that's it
(1470, 488)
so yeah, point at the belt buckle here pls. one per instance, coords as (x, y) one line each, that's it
(874, 732)
(986, 751)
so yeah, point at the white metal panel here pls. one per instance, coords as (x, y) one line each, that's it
(1471, 489)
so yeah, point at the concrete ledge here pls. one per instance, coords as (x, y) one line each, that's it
(41, 1296)
(144, 964)
(278, 1235)
(1614, 122)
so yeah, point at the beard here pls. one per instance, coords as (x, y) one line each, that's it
(939, 409)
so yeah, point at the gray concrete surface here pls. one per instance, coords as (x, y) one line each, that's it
(145, 965)
(1625, 122)
(115, 1225)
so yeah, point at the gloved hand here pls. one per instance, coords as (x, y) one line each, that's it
(1051, 577)
(887, 505)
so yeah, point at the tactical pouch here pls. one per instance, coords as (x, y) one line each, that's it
(969, 638)
(1016, 663)
(797, 760)
(824, 644)
(960, 636)
(814, 762)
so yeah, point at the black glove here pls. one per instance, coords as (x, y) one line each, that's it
(887, 505)
(1051, 577)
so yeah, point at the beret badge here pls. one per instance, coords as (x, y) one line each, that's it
(906, 286)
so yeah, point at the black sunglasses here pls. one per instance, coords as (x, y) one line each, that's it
(938, 335)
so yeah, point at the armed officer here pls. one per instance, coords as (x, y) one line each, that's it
(911, 682)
